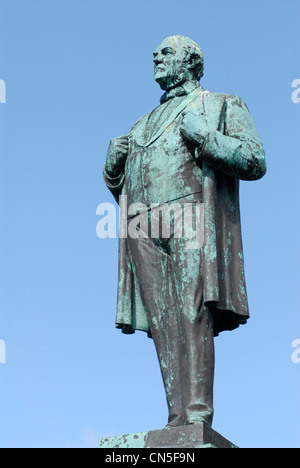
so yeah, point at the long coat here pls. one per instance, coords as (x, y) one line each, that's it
(231, 151)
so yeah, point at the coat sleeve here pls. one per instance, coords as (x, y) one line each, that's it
(238, 151)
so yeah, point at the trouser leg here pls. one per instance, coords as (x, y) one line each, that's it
(195, 332)
(197, 368)
(170, 280)
(152, 265)
(195, 335)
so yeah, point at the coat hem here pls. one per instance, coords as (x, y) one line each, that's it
(229, 322)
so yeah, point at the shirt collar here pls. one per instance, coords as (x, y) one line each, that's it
(181, 90)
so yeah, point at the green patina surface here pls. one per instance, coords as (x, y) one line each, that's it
(194, 147)
(194, 436)
(137, 440)
(161, 166)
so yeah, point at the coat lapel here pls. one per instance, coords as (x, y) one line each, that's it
(139, 132)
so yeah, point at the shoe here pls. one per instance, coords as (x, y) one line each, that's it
(175, 422)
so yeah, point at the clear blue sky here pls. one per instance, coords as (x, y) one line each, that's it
(79, 72)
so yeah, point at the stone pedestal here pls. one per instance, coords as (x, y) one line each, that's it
(191, 436)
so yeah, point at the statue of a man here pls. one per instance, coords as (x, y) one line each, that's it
(191, 150)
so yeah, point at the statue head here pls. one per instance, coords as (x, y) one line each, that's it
(176, 60)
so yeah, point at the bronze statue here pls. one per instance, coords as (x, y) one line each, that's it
(190, 151)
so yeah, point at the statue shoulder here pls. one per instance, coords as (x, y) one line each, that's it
(136, 123)
(222, 96)
(140, 120)
(227, 100)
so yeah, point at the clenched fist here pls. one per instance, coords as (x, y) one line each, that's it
(116, 155)
(194, 128)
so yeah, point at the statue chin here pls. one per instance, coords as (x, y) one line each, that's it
(162, 81)
(167, 82)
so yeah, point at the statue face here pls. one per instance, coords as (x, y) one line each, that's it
(171, 62)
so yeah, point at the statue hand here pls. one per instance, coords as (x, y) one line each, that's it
(194, 128)
(116, 155)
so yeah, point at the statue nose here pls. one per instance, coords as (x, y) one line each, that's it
(158, 59)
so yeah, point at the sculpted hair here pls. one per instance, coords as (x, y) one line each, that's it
(194, 52)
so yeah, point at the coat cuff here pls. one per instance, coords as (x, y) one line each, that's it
(113, 182)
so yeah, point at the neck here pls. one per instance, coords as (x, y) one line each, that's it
(187, 85)
(180, 90)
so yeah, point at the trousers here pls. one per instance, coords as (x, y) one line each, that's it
(170, 274)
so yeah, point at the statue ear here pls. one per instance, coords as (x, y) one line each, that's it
(192, 60)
